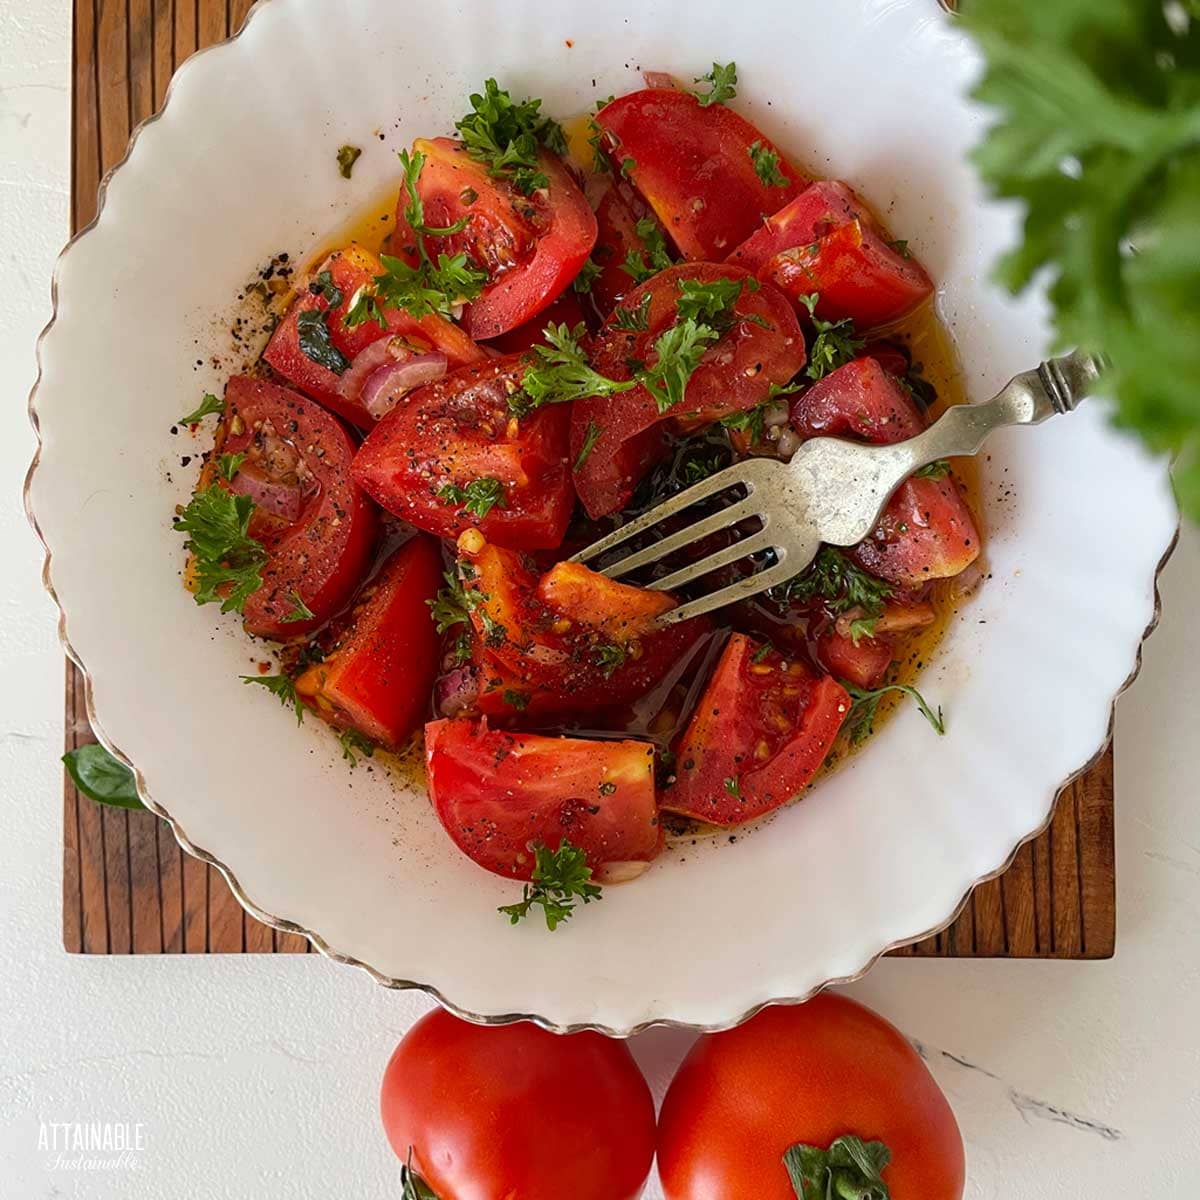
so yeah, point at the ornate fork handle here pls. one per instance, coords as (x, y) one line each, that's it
(843, 486)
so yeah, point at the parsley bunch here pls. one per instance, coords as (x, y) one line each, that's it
(835, 345)
(1098, 133)
(559, 878)
(505, 137)
(227, 561)
(838, 581)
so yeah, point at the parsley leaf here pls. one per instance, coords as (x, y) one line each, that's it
(723, 80)
(934, 470)
(313, 329)
(641, 265)
(282, 686)
(227, 561)
(354, 743)
(733, 787)
(591, 435)
(749, 420)
(210, 404)
(608, 656)
(347, 156)
(679, 352)
(862, 627)
(515, 699)
(480, 496)
(505, 137)
(559, 877)
(835, 343)
(1098, 135)
(586, 277)
(300, 611)
(228, 465)
(766, 165)
(453, 604)
(633, 320)
(363, 308)
(839, 582)
(561, 372)
(710, 303)
(860, 720)
(600, 163)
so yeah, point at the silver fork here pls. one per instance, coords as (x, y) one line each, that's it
(832, 491)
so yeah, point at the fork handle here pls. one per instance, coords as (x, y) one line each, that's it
(1056, 386)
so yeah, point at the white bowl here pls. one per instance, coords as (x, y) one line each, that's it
(240, 165)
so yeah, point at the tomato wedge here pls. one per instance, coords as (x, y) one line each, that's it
(349, 271)
(618, 210)
(761, 731)
(694, 165)
(378, 676)
(317, 525)
(826, 241)
(568, 644)
(438, 457)
(863, 662)
(625, 432)
(530, 246)
(566, 310)
(499, 794)
(926, 532)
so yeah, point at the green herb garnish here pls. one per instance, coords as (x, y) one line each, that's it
(228, 465)
(299, 611)
(838, 581)
(480, 496)
(505, 137)
(641, 265)
(582, 282)
(347, 156)
(635, 319)
(766, 165)
(101, 777)
(453, 604)
(225, 557)
(835, 343)
(282, 686)
(933, 470)
(353, 744)
(312, 326)
(860, 720)
(559, 878)
(724, 84)
(591, 435)
(210, 404)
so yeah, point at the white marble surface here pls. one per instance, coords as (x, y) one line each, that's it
(256, 1077)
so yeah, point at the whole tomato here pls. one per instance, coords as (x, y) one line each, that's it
(493, 1112)
(806, 1076)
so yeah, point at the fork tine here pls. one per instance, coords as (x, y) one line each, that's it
(721, 558)
(730, 477)
(681, 538)
(742, 590)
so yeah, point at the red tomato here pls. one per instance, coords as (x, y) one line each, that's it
(926, 532)
(863, 663)
(693, 165)
(317, 525)
(805, 1074)
(825, 241)
(618, 210)
(566, 310)
(573, 643)
(351, 270)
(460, 431)
(378, 677)
(759, 733)
(498, 794)
(530, 246)
(736, 373)
(514, 1111)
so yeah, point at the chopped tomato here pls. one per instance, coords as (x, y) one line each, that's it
(863, 662)
(926, 532)
(556, 647)
(825, 241)
(618, 211)
(625, 431)
(499, 794)
(530, 246)
(695, 167)
(566, 310)
(437, 458)
(378, 677)
(760, 732)
(316, 523)
(350, 270)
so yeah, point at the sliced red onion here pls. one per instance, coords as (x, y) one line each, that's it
(660, 79)
(456, 691)
(390, 384)
(379, 353)
(271, 495)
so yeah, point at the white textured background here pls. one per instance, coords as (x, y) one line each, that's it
(256, 1077)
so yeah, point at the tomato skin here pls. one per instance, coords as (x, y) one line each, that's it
(693, 166)
(763, 722)
(566, 310)
(458, 430)
(471, 1101)
(735, 374)
(826, 241)
(531, 246)
(617, 214)
(351, 269)
(618, 610)
(378, 678)
(805, 1073)
(927, 531)
(324, 554)
(497, 794)
(863, 663)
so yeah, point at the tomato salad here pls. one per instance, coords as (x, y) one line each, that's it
(558, 333)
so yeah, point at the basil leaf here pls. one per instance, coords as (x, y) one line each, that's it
(101, 777)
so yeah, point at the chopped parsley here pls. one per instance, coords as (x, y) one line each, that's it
(709, 303)
(282, 686)
(862, 627)
(228, 465)
(724, 84)
(600, 163)
(479, 497)
(210, 404)
(515, 699)
(766, 165)
(561, 372)
(608, 656)
(505, 137)
(559, 878)
(839, 582)
(591, 435)
(354, 743)
(227, 561)
(835, 343)
(587, 276)
(749, 420)
(299, 611)
(641, 265)
(860, 720)
(347, 156)
(635, 319)
(453, 604)
(733, 787)
(679, 351)
(628, 165)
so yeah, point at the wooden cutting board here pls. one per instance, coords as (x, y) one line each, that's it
(127, 886)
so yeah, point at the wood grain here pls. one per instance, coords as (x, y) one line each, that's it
(127, 886)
